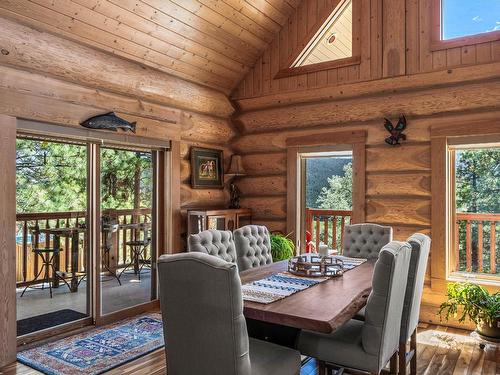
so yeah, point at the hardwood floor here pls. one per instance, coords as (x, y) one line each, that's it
(441, 351)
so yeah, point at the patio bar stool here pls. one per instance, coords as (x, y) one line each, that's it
(138, 248)
(47, 256)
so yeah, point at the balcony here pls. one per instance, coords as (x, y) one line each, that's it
(476, 248)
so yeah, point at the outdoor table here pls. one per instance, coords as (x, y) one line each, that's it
(74, 234)
(323, 307)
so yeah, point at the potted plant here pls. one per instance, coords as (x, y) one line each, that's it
(281, 247)
(472, 301)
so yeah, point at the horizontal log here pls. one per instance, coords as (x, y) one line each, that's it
(269, 208)
(54, 111)
(399, 184)
(202, 197)
(272, 225)
(257, 186)
(370, 88)
(42, 52)
(265, 164)
(421, 103)
(417, 131)
(196, 127)
(401, 233)
(399, 158)
(41, 85)
(407, 211)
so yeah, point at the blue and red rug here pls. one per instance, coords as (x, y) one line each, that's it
(98, 350)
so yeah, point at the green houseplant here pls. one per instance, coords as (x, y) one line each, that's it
(467, 300)
(281, 247)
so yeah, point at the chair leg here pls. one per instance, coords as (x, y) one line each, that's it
(321, 365)
(33, 282)
(394, 364)
(402, 359)
(413, 348)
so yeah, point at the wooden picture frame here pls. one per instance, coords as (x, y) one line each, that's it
(207, 170)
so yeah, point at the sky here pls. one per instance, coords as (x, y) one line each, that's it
(469, 17)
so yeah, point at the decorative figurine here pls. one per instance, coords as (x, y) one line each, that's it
(396, 131)
(108, 121)
(234, 200)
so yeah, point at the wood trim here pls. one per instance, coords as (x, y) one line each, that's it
(129, 312)
(358, 183)
(292, 194)
(329, 138)
(173, 204)
(438, 44)
(327, 65)
(439, 211)
(355, 59)
(8, 326)
(464, 128)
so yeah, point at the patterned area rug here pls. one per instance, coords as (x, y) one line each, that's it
(98, 350)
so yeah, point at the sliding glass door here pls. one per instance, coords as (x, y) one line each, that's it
(127, 245)
(86, 231)
(51, 233)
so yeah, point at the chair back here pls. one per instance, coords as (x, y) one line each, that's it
(365, 240)
(214, 242)
(380, 334)
(202, 308)
(420, 244)
(253, 246)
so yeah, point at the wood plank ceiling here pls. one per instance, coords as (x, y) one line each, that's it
(211, 42)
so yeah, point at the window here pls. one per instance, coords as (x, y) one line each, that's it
(464, 18)
(475, 187)
(462, 22)
(333, 41)
(326, 197)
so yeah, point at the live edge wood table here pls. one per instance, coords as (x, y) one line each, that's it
(323, 307)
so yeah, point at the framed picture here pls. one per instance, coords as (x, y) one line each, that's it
(206, 168)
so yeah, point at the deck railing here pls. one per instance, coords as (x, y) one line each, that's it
(477, 242)
(29, 234)
(327, 226)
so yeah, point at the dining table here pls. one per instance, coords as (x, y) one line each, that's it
(323, 307)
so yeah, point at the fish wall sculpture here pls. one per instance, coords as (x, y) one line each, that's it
(109, 121)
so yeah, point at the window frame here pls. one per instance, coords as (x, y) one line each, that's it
(465, 132)
(355, 59)
(352, 140)
(437, 43)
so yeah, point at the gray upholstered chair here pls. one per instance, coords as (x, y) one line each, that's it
(369, 345)
(420, 244)
(203, 323)
(253, 246)
(365, 240)
(214, 242)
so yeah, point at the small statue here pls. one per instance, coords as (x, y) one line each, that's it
(396, 131)
(234, 200)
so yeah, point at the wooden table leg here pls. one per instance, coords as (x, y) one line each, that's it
(57, 261)
(74, 261)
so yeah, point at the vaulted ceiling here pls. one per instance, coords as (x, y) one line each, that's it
(212, 42)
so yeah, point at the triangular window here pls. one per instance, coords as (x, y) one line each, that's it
(333, 41)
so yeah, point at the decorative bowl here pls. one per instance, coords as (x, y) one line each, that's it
(315, 265)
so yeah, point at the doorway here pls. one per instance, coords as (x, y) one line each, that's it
(86, 230)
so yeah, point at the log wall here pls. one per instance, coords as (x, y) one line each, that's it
(394, 40)
(46, 87)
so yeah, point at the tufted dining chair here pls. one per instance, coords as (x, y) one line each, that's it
(203, 323)
(420, 244)
(368, 345)
(253, 246)
(214, 242)
(365, 240)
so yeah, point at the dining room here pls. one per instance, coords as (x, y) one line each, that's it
(244, 187)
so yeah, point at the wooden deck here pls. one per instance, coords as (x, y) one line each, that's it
(441, 351)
